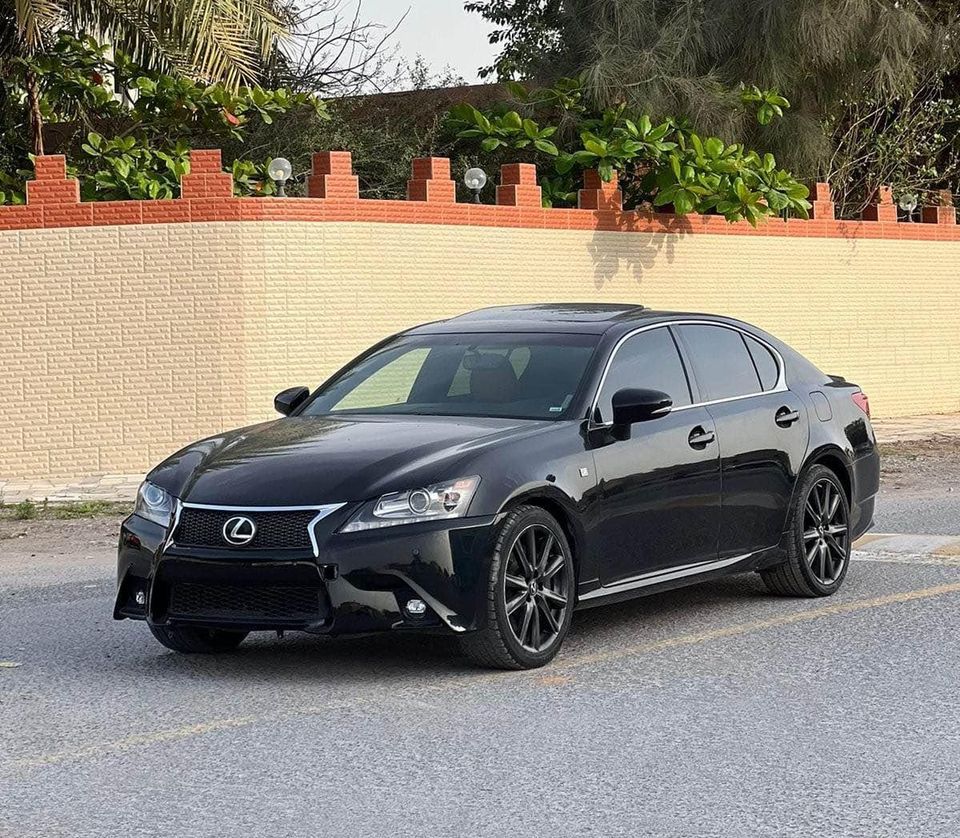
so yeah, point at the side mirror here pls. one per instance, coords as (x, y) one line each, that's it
(638, 405)
(289, 400)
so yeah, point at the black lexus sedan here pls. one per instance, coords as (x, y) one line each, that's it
(488, 475)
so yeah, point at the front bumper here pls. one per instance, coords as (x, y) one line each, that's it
(357, 584)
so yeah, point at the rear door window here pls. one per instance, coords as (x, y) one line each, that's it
(721, 363)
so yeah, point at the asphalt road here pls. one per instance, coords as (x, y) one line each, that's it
(712, 711)
(931, 512)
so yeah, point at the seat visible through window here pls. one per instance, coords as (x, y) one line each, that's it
(493, 380)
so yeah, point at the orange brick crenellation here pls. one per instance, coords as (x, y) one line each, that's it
(53, 200)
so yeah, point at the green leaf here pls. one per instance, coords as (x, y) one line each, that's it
(546, 147)
(665, 196)
(462, 112)
(683, 202)
(725, 167)
(659, 132)
(491, 144)
(482, 122)
(597, 147)
(777, 201)
(512, 121)
(531, 129)
(605, 170)
(714, 147)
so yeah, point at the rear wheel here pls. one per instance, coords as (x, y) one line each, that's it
(819, 546)
(530, 594)
(190, 639)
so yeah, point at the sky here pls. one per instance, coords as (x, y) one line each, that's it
(440, 30)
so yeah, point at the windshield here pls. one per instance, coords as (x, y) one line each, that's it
(526, 376)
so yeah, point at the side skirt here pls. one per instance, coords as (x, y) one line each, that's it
(668, 578)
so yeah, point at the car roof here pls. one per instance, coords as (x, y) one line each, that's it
(580, 318)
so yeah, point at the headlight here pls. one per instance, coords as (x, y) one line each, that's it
(431, 503)
(154, 504)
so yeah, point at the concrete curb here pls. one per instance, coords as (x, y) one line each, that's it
(896, 544)
(114, 488)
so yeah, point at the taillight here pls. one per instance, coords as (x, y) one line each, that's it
(861, 401)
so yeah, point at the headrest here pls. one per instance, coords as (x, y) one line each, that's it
(493, 380)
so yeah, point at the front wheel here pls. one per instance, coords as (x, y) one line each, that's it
(818, 553)
(530, 593)
(190, 639)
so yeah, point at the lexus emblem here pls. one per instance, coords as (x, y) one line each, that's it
(239, 530)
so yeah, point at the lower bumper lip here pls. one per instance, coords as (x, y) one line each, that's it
(363, 579)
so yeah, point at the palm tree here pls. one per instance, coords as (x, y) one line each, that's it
(686, 58)
(213, 40)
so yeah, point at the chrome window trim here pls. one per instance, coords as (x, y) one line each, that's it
(779, 387)
(664, 575)
(323, 510)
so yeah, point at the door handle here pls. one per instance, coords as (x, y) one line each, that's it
(786, 417)
(699, 438)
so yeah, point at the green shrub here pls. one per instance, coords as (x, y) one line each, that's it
(26, 510)
(667, 164)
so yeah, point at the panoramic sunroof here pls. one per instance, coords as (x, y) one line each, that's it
(580, 312)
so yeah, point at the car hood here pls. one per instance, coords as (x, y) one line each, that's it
(302, 461)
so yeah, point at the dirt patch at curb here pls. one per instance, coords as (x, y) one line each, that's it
(921, 465)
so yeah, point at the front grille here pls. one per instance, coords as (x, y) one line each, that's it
(204, 528)
(236, 602)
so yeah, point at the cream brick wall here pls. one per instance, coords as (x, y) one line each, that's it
(120, 344)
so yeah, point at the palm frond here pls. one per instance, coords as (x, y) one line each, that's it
(34, 20)
(214, 40)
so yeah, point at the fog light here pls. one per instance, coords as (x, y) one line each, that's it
(140, 598)
(415, 607)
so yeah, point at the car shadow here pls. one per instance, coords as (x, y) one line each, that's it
(394, 658)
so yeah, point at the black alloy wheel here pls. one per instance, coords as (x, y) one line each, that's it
(530, 593)
(536, 588)
(825, 532)
(818, 550)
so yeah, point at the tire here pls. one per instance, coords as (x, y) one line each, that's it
(818, 553)
(546, 591)
(193, 640)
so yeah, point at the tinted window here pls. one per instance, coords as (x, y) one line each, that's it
(765, 363)
(531, 376)
(649, 359)
(722, 365)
